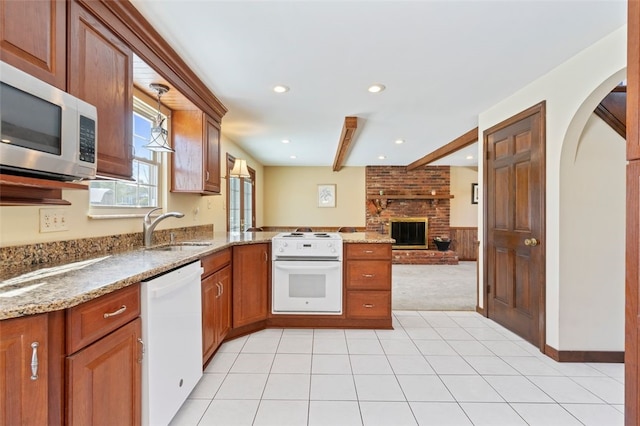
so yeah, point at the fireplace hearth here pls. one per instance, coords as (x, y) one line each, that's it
(409, 232)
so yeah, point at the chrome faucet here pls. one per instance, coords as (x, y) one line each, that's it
(148, 226)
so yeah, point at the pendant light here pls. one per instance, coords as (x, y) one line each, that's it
(159, 134)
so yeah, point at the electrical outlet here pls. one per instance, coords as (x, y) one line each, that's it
(53, 220)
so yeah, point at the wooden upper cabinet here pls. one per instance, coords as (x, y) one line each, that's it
(33, 38)
(196, 162)
(212, 165)
(101, 73)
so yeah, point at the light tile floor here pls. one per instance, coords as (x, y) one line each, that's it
(434, 368)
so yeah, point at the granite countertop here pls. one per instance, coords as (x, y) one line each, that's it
(51, 288)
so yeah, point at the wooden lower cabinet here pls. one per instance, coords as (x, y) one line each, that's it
(104, 360)
(250, 283)
(367, 280)
(104, 380)
(31, 353)
(216, 302)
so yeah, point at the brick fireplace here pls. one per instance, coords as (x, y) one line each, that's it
(387, 185)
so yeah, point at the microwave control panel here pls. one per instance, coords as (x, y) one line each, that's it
(87, 139)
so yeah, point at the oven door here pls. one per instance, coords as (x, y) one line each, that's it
(308, 287)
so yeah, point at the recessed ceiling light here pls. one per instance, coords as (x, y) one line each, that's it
(280, 88)
(381, 157)
(376, 88)
(285, 141)
(293, 157)
(469, 157)
(399, 141)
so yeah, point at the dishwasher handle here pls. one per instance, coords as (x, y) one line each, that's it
(157, 292)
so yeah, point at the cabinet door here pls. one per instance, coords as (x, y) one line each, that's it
(250, 283)
(33, 38)
(212, 165)
(210, 291)
(223, 305)
(196, 162)
(187, 163)
(104, 380)
(24, 395)
(101, 73)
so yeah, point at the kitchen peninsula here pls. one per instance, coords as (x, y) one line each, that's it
(63, 326)
(44, 289)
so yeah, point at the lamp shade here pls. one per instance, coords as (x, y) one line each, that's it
(239, 169)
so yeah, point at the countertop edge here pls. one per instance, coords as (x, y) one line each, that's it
(76, 287)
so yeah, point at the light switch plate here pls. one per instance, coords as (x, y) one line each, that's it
(53, 220)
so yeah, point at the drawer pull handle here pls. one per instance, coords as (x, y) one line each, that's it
(368, 275)
(34, 360)
(368, 305)
(219, 286)
(141, 350)
(368, 251)
(118, 312)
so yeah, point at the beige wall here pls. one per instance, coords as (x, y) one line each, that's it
(463, 213)
(20, 225)
(592, 218)
(571, 92)
(291, 195)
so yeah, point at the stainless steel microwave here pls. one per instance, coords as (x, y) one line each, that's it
(45, 132)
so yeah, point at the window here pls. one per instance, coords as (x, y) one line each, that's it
(241, 200)
(143, 190)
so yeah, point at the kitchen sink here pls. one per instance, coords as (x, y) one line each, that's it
(186, 246)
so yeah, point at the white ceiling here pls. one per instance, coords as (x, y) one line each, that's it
(443, 62)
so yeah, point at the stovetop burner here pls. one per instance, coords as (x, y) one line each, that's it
(307, 235)
(307, 245)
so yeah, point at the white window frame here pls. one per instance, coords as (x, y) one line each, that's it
(143, 107)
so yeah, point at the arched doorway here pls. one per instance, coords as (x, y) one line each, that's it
(591, 253)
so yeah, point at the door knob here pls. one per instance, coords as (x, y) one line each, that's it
(531, 242)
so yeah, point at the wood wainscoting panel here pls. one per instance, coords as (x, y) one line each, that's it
(464, 242)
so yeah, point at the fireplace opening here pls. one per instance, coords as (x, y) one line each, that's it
(409, 232)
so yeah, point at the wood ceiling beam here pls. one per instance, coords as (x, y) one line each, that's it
(457, 144)
(346, 137)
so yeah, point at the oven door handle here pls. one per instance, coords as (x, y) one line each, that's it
(306, 268)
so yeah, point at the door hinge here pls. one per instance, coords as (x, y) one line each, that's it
(488, 289)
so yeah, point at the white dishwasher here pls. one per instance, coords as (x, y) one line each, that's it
(172, 334)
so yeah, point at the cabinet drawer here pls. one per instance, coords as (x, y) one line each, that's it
(369, 304)
(368, 251)
(215, 261)
(89, 321)
(368, 275)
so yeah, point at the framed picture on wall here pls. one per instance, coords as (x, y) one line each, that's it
(327, 195)
(474, 193)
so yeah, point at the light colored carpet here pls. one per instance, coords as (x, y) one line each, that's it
(434, 287)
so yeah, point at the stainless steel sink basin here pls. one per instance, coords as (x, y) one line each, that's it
(186, 246)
